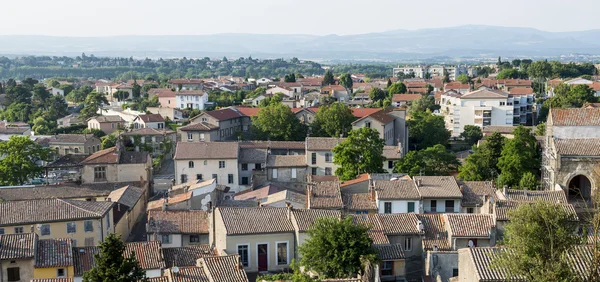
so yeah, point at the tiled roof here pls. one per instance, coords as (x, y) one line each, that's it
(103, 157)
(323, 178)
(128, 195)
(438, 187)
(515, 82)
(482, 259)
(48, 192)
(456, 85)
(237, 204)
(252, 155)
(179, 222)
(132, 157)
(360, 201)
(194, 184)
(224, 269)
(435, 232)
(286, 161)
(396, 189)
(378, 237)
(158, 279)
(224, 114)
(380, 116)
(179, 198)
(206, 150)
(286, 195)
(47, 210)
(578, 147)
(304, 218)
(470, 225)
(247, 111)
(53, 280)
(322, 143)
(186, 256)
(521, 91)
(239, 221)
(391, 152)
(533, 195)
(325, 195)
(186, 81)
(17, 246)
(83, 259)
(361, 178)
(474, 191)
(389, 252)
(501, 129)
(258, 193)
(406, 97)
(70, 138)
(151, 118)
(575, 116)
(502, 209)
(54, 253)
(190, 93)
(299, 145)
(108, 119)
(161, 92)
(485, 94)
(400, 223)
(148, 254)
(200, 126)
(187, 274)
(146, 131)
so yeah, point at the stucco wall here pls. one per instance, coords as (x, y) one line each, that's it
(51, 272)
(466, 267)
(254, 240)
(25, 269)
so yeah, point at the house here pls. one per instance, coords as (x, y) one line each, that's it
(397, 196)
(458, 87)
(471, 230)
(191, 99)
(204, 193)
(87, 223)
(57, 91)
(72, 119)
(206, 160)
(8, 129)
(390, 123)
(305, 115)
(155, 141)
(319, 156)
(258, 194)
(166, 97)
(439, 193)
(130, 206)
(54, 259)
(287, 91)
(286, 168)
(359, 203)
(359, 185)
(217, 125)
(324, 195)
(250, 159)
(284, 198)
(116, 165)
(108, 124)
(303, 220)
(209, 269)
(510, 84)
(399, 100)
(186, 256)
(186, 84)
(476, 196)
(72, 144)
(71, 191)
(155, 121)
(178, 228)
(179, 202)
(335, 91)
(17, 256)
(392, 154)
(263, 237)
(170, 113)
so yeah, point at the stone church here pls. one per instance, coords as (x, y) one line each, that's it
(571, 158)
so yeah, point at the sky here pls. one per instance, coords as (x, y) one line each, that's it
(317, 17)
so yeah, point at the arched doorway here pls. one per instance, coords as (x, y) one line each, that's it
(580, 188)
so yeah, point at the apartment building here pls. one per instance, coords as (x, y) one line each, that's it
(218, 125)
(390, 123)
(191, 99)
(116, 165)
(72, 144)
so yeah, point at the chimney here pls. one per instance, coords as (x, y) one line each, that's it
(418, 182)
(289, 210)
(504, 191)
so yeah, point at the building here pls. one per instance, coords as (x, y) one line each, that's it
(440, 194)
(166, 97)
(72, 119)
(155, 141)
(403, 99)
(191, 99)
(54, 259)
(170, 113)
(218, 125)
(130, 206)
(178, 228)
(335, 91)
(186, 256)
(186, 84)
(116, 165)
(155, 121)
(108, 124)
(477, 196)
(286, 168)
(391, 125)
(397, 196)
(319, 157)
(72, 144)
(17, 256)
(13, 129)
(392, 154)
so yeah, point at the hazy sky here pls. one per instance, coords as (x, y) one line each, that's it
(178, 17)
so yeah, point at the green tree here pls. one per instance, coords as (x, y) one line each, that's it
(540, 69)
(333, 120)
(377, 94)
(528, 181)
(334, 248)
(136, 90)
(426, 130)
(96, 132)
(434, 160)
(516, 63)
(463, 78)
(483, 163)
(471, 134)
(19, 162)
(290, 78)
(17, 94)
(389, 83)
(519, 155)
(277, 122)
(109, 141)
(361, 152)
(93, 103)
(537, 239)
(397, 88)
(511, 73)
(346, 81)
(121, 95)
(42, 126)
(328, 78)
(423, 104)
(40, 94)
(112, 265)
(540, 129)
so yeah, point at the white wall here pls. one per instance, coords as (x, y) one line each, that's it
(398, 206)
(211, 167)
(441, 205)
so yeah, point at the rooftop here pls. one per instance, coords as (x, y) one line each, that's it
(533, 195)
(437, 187)
(240, 221)
(485, 94)
(325, 195)
(396, 189)
(151, 118)
(50, 210)
(54, 253)
(304, 218)
(258, 193)
(578, 147)
(17, 246)
(206, 150)
(108, 119)
(474, 192)
(470, 225)
(276, 161)
(186, 256)
(359, 201)
(128, 195)
(322, 143)
(575, 116)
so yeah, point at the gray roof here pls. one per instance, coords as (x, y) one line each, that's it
(400, 223)
(148, 131)
(322, 143)
(533, 195)
(71, 138)
(389, 252)
(297, 145)
(128, 195)
(239, 221)
(482, 260)
(474, 191)
(304, 218)
(391, 152)
(50, 210)
(438, 187)
(224, 269)
(252, 155)
(59, 191)
(325, 195)
(470, 225)
(13, 130)
(396, 189)
(485, 94)
(286, 161)
(108, 118)
(178, 222)
(206, 150)
(186, 256)
(17, 246)
(578, 147)
(131, 157)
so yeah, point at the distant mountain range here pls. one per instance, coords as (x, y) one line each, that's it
(454, 43)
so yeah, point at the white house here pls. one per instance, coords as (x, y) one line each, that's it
(191, 99)
(206, 160)
(57, 91)
(440, 194)
(397, 196)
(155, 121)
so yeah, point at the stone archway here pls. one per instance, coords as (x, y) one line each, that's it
(580, 188)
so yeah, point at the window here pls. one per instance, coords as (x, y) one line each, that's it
(13, 274)
(274, 173)
(190, 136)
(502, 103)
(469, 210)
(407, 243)
(205, 162)
(449, 205)
(257, 166)
(201, 136)
(244, 167)
(390, 164)
(221, 164)
(45, 229)
(60, 273)
(214, 176)
(204, 119)
(411, 207)
(433, 205)
(199, 176)
(314, 158)
(387, 207)
(1, 231)
(18, 230)
(455, 272)
(313, 170)
(243, 253)
(245, 180)
(230, 178)
(161, 125)
(165, 239)
(191, 164)
(282, 253)
(88, 226)
(294, 172)
(71, 227)
(100, 173)
(184, 178)
(327, 171)
(182, 106)
(387, 268)
(327, 157)
(368, 124)
(194, 238)
(107, 221)
(76, 150)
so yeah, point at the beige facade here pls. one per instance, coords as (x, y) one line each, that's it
(320, 162)
(107, 127)
(90, 146)
(386, 130)
(225, 170)
(24, 267)
(118, 172)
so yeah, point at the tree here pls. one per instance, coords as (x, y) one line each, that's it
(93, 103)
(334, 248)
(42, 126)
(41, 94)
(277, 122)
(537, 239)
(346, 81)
(78, 95)
(511, 73)
(397, 88)
(333, 120)
(136, 90)
(483, 163)
(426, 130)
(471, 134)
(539, 69)
(423, 104)
(20, 157)
(121, 95)
(434, 160)
(377, 94)
(540, 129)
(328, 78)
(290, 78)
(463, 78)
(17, 94)
(528, 181)
(519, 155)
(361, 152)
(516, 63)
(389, 83)
(109, 141)
(112, 265)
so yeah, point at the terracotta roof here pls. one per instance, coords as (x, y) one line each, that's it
(178, 222)
(17, 246)
(200, 126)
(83, 259)
(186, 81)
(575, 116)
(380, 116)
(102, 157)
(128, 195)
(303, 218)
(435, 232)
(470, 225)
(148, 131)
(71, 138)
(148, 254)
(223, 114)
(360, 201)
(378, 237)
(237, 204)
(521, 91)
(456, 85)
(515, 82)
(485, 94)
(533, 195)
(161, 92)
(474, 191)
(258, 193)
(322, 143)
(180, 198)
(361, 178)
(389, 252)
(361, 112)
(54, 253)
(187, 274)
(252, 155)
(438, 187)
(190, 93)
(247, 111)
(50, 210)
(396, 189)
(406, 97)
(591, 105)
(578, 147)
(400, 223)
(325, 195)
(240, 221)
(14, 130)
(286, 161)
(224, 269)
(151, 118)
(206, 150)
(186, 256)
(108, 119)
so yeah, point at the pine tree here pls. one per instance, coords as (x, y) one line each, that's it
(112, 266)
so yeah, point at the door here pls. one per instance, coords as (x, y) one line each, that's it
(263, 262)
